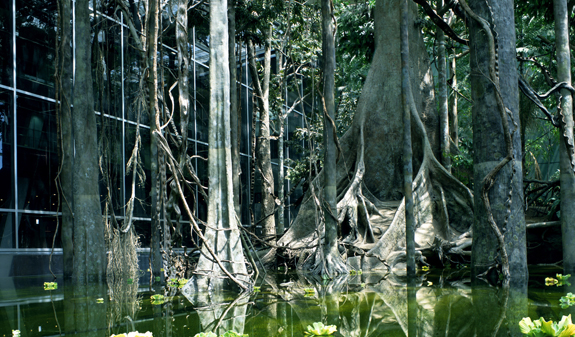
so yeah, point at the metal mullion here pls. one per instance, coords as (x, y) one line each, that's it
(123, 116)
(15, 130)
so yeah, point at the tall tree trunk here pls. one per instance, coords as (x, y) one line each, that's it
(154, 111)
(64, 96)
(332, 263)
(183, 77)
(490, 144)
(407, 150)
(453, 119)
(89, 244)
(567, 177)
(263, 154)
(442, 97)
(222, 247)
(234, 106)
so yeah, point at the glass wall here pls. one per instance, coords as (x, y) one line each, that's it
(28, 122)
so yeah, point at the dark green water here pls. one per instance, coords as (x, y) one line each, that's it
(445, 304)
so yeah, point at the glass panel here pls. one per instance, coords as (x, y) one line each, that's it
(7, 232)
(246, 110)
(36, 32)
(37, 231)
(245, 190)
(202, 102)
(37, 154)
(295, 122)
(144, 230)
(202, 171)
(6, 60)
(107, 68)
(6, 150)
(202, 49)
(135, 95)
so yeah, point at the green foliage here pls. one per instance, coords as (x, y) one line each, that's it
(567, 300)
(319, 329)
(205, 334)
(541, 328)
(559, 281)
(15, 333)
(177, 282)
(462, 162)
(226, 334)
(563, 279)
(50, 285)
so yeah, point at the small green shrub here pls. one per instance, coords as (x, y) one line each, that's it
(542, 328)
(318, 329)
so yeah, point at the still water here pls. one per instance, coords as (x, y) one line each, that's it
(444, 304)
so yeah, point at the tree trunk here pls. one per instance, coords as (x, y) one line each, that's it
(407, 149)
(453, 120)
(331, 263)
(567, 177)
(89, 244)
(370, 169)
(183, 77)
(66, 140)
(234, 107)
(490, 145)
(442, 97)
(154, 111)
(222, 236)
(263, 154)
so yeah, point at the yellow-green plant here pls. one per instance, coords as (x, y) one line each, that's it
(543, 328)
(15, 333)
(318, 329)
(50, 285)
(134, 334)
(226, 334)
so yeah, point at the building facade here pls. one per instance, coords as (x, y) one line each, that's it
(29, 161)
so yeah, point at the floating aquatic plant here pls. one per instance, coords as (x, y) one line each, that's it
(567, 300)
(425, 268)
(15, 333)
(177, 282)
(100, 300)
(50, 285)
(319, 329)
(134, 334)
(226, 334)
(257, 289)
(157, 299)
(542, 328)
(563, 279)
(559, 281)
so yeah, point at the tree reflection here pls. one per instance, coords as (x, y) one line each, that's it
(370, 305)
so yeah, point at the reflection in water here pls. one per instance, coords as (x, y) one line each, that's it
(359, 305)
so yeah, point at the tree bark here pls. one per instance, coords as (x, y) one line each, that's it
(490, 145)
(453, 119)
(407, 150)
(89, 244)
(263, 154)
(567, 179)
(221, 233)
(154, 111)
(234, 107)
(66, 140)
(183, 77)
(332, 262)
(442, 97)
(369, 170)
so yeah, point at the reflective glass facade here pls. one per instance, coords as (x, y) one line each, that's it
(29, 160)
